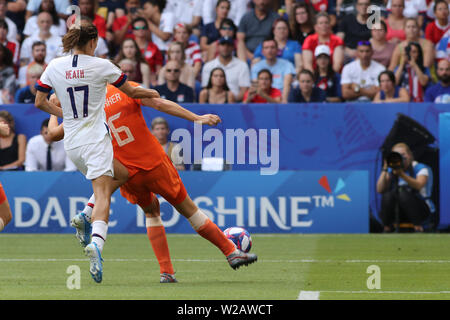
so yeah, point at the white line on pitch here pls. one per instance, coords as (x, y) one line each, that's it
(386, 292)
(309, 295)
(217, 260)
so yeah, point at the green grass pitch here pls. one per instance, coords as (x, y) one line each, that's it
(412, 266)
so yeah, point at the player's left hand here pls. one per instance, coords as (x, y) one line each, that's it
(209, 119)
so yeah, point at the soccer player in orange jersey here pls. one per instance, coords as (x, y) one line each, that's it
(151, 171)
(5, 210)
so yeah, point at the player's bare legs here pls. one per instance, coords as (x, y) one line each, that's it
(5, 214)
(157, 236)
(211, 232)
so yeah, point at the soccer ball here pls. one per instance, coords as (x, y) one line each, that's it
(240, 237)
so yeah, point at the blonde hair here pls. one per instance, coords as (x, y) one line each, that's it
(159, 120)
(36, 69)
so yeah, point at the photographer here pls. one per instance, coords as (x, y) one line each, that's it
(405, 183)
(411, 73)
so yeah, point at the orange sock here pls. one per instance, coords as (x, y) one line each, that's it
(157, 237)
(211, 232)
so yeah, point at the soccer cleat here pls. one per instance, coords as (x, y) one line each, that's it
(96, 267)
(83, 227)
(167, 278)
(237, 259)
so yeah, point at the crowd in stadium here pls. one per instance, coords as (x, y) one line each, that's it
(251, 51)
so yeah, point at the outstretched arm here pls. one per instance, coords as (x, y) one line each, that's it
(138, 92)
(176, 110)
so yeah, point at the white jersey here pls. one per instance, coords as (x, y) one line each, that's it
(80, 82)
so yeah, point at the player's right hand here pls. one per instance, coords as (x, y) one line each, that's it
(209, 119)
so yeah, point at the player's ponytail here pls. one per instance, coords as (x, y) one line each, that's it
(78, 37)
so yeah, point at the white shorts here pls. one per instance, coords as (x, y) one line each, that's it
(94, 160)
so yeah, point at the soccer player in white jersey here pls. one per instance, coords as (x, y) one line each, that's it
(79, 81)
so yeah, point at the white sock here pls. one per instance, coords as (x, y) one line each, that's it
(2, 225)
(89, 207)
(99, 231)
(198, 219)
(153, 222)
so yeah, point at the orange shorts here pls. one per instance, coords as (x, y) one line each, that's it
(2, 194)
(163, 180)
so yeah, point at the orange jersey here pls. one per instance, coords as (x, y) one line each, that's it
(134, 145)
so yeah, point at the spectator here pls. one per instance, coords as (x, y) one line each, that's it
(413, 194)
(395, 22)
(101, 50)
(187, 12)
(430, 11)
(210, 31)
(58, 27)
(326, 79)
(122, 27)
(326, 6)
(28, 93)
(161, 131)
(227, 30)
(109, 10)
(440, 92)
(12, 28)
(306, 92)
(282, 70)
(301, 21)
(130, 50)
(42, 154)
(237, 10)
(411, 74)
(436, 29)
(60, 5)
(217, 90)
(323, 35)
(176, 53)
(12, 46)
(237, 71)
(415, 9)
(148, 49)
(192, 50)
(173, 89)
(413, 35)
(353, 28)
(382, 49)
(128, 67)
(53, 43)
(7, 76)
(443, 47)
(38, 51)
(389, 92)
(12, 146)
(16, 12)
(88, 9)
(160, 22)
(359, 79)
(261, 91)
(287, 49)
(255, 26)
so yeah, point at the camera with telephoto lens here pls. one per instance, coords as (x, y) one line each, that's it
(394, 160)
